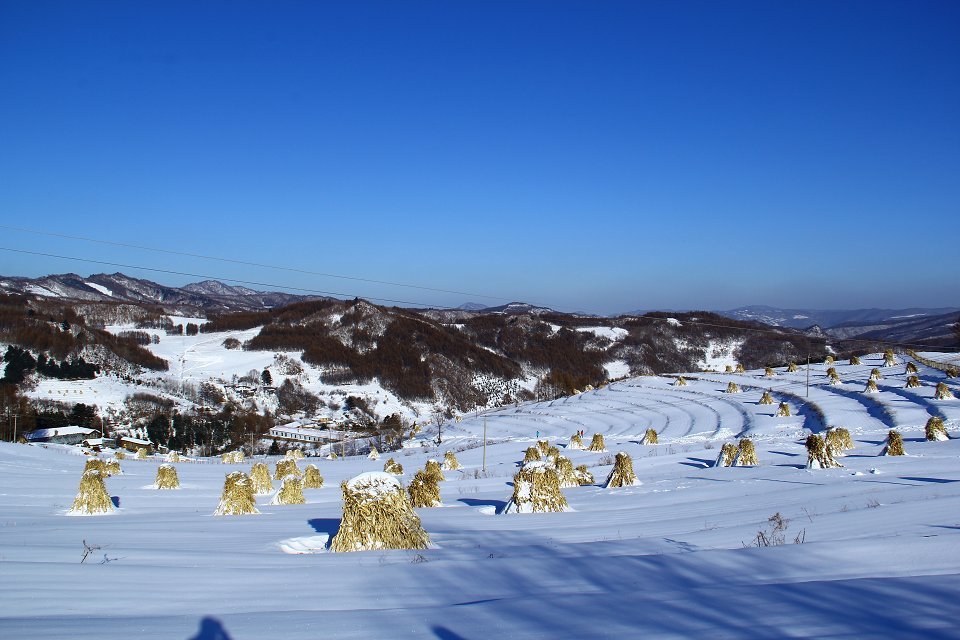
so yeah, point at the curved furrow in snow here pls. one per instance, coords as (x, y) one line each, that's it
(846, 409)
(656, 418)
(679, 418)
(643, 413)
(729, 417)
(908, 408)
(840, 409)
(874, 408)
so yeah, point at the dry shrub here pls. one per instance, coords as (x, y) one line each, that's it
(92, 497)
(829, 360)
(888, 359)
(746, 454)
(875, 374)
(911, 368)
(142, 453)
(680, 382)
(732, 387)
(424, 490)
(838, 440)
(286, 467)
(543, 446)
(769, 372)
(392, 466)
(173, 456)
(649, 437)
(943, 392)
(566, 474)
(260, 479)
(584, 476)
(894, 446)
(835, 379)
(766, 398)
(951, 372)
(450, 462)
(854, 360)
(728, 452)
(576, 442)
(291, 492)
(818, 454)
(295, 454)
(871, 387)
(935, 430)
(167, 477)
(792, 367)
(831, 371)
(913, 382)
(237, 497)
(728, 369)
(622, 474)
(112, 467)
(374, 454)
(433, 469)
(377, 514)
(532, 454)
(783, 411)
(536, 489)
(596, 444)
(120, 455)
(739, 368)
(312, 478)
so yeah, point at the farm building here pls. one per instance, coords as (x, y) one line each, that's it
(62, 435)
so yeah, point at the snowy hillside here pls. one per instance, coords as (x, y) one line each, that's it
(672, 557)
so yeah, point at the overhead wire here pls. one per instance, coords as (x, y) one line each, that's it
(785, 386)
(248, 263)
(251, 283)
(418, 304)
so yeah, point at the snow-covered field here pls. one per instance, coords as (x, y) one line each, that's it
(880, 557)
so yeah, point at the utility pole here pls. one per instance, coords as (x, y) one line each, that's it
(484, 443)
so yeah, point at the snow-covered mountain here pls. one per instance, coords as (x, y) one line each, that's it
(208, 295)
(911, 326)
(217, 288)
(515, 308)
(830, 318)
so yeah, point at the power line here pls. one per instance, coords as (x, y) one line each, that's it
(771, 331)
(222, 279)
(247, 263)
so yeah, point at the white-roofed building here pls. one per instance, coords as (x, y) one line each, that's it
(71, 434)
(300, 432)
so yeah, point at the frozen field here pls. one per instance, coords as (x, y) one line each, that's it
(880, 557)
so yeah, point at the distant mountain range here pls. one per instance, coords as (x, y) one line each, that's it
(828, 319)
(927, 325)
(930, 326)
(209, 295)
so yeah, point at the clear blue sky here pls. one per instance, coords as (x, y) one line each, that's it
(594, 156)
